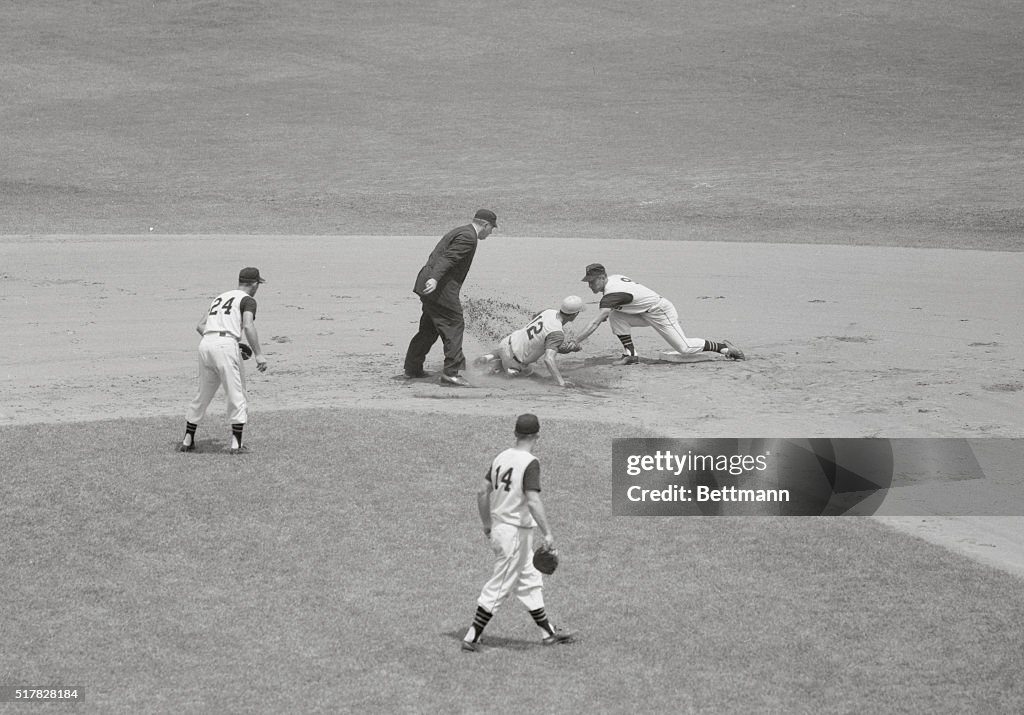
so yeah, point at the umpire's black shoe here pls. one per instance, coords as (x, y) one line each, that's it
(413, 374)
(559, 637)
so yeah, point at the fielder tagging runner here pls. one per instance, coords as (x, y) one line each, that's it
(540, 339)
(510, 508)
(626, 304)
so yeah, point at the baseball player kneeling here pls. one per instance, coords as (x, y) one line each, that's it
(540, 339)
(626, 304)
(510, 508)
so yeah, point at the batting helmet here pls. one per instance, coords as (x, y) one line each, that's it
(572, 305)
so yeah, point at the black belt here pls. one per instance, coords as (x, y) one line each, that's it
(221, 333)
(513, 352)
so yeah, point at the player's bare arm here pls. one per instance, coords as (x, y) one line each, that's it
(601, 316)
(483, 505)
(201, 325)
(549, 361)
(251, 337)
(536, 507)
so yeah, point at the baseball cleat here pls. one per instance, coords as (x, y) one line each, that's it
(488, 363)
(413, 374)
(240, 450)
(454, 381)
(517, 372)
(187, 447)
(471, 646)
(559, 637)
(732, 352)
(627, 360)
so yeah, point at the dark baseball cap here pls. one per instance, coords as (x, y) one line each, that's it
(250, 275)
(527, 424)
(594, 269)
(488, 216)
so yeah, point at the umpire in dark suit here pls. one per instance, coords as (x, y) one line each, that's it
(438, 284)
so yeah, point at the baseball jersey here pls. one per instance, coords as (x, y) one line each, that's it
(543, 332)
(512, 474)
(226, 312)
(622, 294)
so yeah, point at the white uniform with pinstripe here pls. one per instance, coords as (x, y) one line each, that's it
(512, 527)
(648, 309)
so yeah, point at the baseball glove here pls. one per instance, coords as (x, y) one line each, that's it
(245, 350)
(569, 346)
(545, 560)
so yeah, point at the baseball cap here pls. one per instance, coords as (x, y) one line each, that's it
(250, 275)
(488, 216)
(594, 269)
(572, 305)
(527, 424)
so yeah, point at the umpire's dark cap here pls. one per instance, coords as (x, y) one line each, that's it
(250, 275)
(488, 216)
(527, 424)
(594, 269)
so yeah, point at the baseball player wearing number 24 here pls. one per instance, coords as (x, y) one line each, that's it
(510, 507)
(230, 316)
(626, 304)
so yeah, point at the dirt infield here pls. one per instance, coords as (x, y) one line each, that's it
(842, 341)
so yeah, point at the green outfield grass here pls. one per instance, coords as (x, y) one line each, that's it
(873, 122)
(331, 569)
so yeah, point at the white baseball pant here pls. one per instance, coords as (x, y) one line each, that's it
(664, 319)
(509, 362)
(220, 363)
(513, 569)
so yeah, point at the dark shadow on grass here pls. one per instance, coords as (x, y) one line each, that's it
(203, 446)
(498, 642)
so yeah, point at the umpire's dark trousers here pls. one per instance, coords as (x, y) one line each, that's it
(438, 321)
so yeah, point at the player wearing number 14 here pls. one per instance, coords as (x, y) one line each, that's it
(229, 318)
(510, 508)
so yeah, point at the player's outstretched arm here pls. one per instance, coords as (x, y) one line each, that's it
(549, 362)
(536, 507)
(601, 316)
(251, 337)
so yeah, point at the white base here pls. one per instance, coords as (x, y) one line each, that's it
(673, 356)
